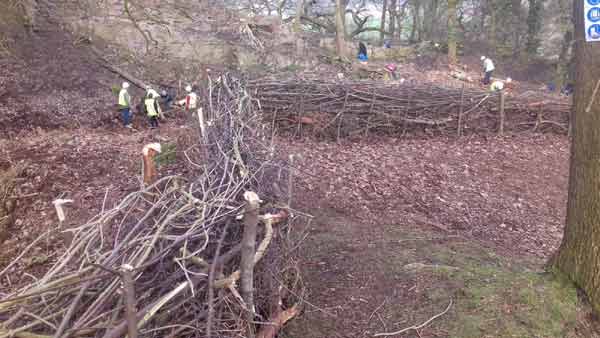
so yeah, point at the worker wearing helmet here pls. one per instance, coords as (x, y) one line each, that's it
(150, 90)
(498, 85)
(488, 68)
(125, 105)
(390, 73)
(152, 108)
(166, 99)
(191, 99)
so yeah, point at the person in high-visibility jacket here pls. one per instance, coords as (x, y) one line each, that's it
(498, 85)
(152, 109)
(125, 105)
(149, 90)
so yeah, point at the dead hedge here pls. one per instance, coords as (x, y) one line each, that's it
(211, 255)
(346, 108)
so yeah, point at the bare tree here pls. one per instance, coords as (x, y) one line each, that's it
(340, 31)
(452, 28)
(382, 28)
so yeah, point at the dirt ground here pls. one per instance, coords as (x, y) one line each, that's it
(405, 226)
(508, 192)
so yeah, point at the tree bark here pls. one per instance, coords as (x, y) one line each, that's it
(534, 25)
(340, 31)
(393, 10)
(516, 20)
(414, 34)
(564, 57)
(579, 254)
(492, 28)
(430, 20)
(382, 27)
(299, 14)
(247, 259)
(452, 31)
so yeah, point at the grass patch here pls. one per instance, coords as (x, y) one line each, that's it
(418, 273)
(496, 297)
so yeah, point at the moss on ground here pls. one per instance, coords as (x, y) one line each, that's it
(493, 296)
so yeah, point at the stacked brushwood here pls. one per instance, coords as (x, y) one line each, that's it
(345, 108)
(202, 256)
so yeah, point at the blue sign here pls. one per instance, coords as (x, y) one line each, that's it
(591, 15)
(594, 14)
(594, 31)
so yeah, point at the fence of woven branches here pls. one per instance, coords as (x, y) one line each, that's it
(346, 108)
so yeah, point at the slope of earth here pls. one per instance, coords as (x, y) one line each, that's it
(49, 82)
(403, 227)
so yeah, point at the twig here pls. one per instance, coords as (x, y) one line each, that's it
(416, 327)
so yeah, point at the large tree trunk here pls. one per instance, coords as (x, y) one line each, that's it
(579, 254)
(340, 32)
(484, 11)
(492, 28)
(382, 27)
(393, 12)
(299, 14)
(564, 59)
(565, 56)
(516, 20)
(534, 25)
(452, 31)
(414, 34)
(430, 20)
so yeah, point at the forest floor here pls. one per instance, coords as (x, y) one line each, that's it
(403, 227)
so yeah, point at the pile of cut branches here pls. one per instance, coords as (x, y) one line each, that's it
(346, 108)
(168, 259)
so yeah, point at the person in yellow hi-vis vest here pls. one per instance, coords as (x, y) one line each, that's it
(125, 105)
(152, 109)
(498, 85)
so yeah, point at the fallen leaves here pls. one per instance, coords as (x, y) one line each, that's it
(510, 191)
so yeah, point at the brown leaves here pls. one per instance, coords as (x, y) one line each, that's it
(510, 191)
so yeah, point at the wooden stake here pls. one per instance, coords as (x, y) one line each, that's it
(149, 167)
(247, 259)
(130, 302)
(502, 96)
(460, 112)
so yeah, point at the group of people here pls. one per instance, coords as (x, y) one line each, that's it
(488, 69)
(151, 104)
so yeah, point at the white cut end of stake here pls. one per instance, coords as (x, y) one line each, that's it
(127, 267)
(251, 197)
(154, 146)
(59, 210)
